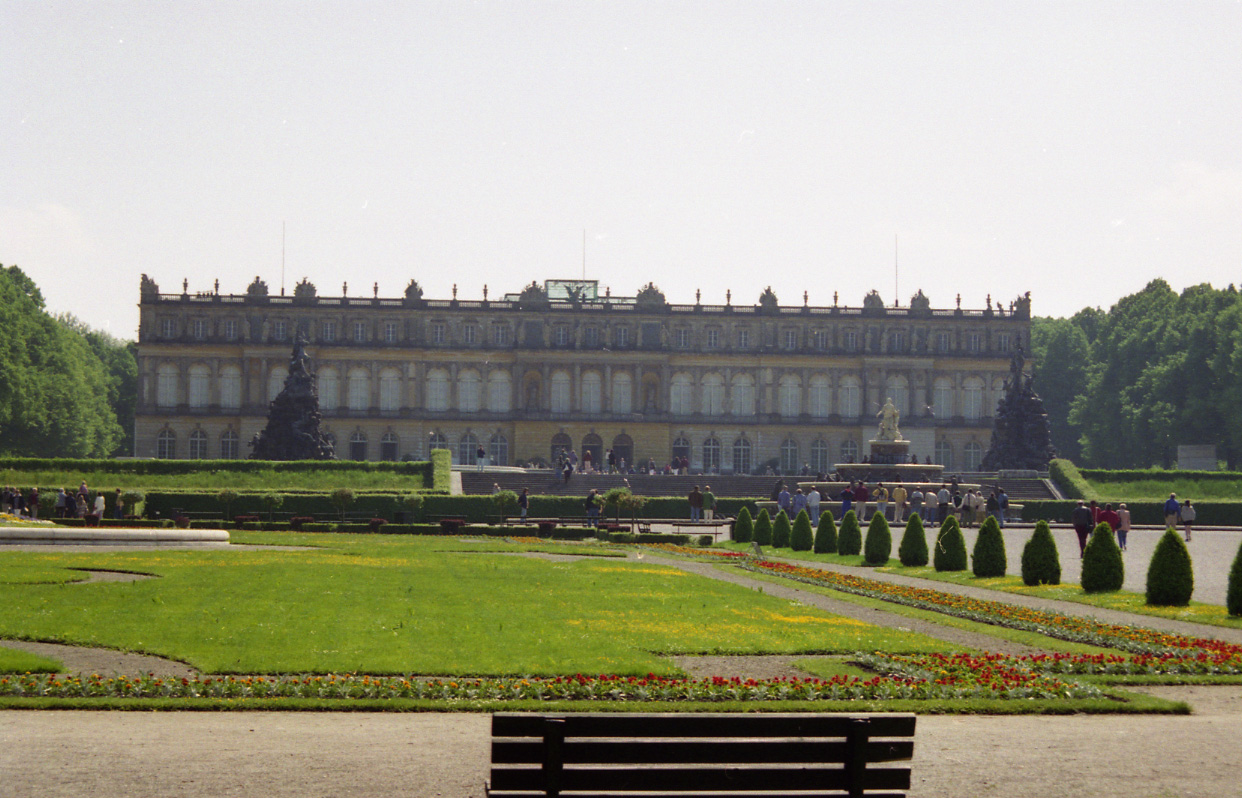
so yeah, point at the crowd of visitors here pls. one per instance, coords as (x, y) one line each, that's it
(69, 503)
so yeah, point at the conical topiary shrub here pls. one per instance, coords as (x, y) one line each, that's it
(826, 534)
(1170, 577)
(802, 538)
(763, 528)
(1102, 568)
(1233, 594)
(950, 554)
(743, 527)
(879, 545)
(1041, 564)
(989, 555)
(781, 531)
(913, 549)
(849, 541)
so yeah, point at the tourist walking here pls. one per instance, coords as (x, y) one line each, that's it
(784, 499)
(861, 495)
(1110, 517)
(523, 503)
(709, 503)
(1123, 525)
(916, 502)
(480, 457)
(942, 500)
(32, 504)
(592, 508)
(1081, 519)
(1172, 512)
(118, 506)
(798, 503)
(881, 500)
(1003, 498)
(847, 498)
(61, 498)
(899, 503)
(812, 504)
(696, 504)
(1188, 518)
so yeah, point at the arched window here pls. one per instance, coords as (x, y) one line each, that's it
(498, 449)
(711, 455)
(468, 449)
(790, 396)
(818, 403)
(560, 392)
(681, 447)
(849, 394)
(741, 456)
(499, 392)
(358, 446)
(595, 445)
(276, 382)
(436, 440)
(942, 398)
(897, 388)
(592, 392)
(198, 445)
(228, 445)
(390, 447)
(742, 389)
(820, 457)
(390, 390)
(561, 444)
(622, 395)
(230, 387)
(681, 395)
(789, 456)
(200, 382)
(359, 390)
(849, 451)
(944, 454)
(166, 385)
(330, 439)
(469, 387)
(972, 456)
(166, 445)
(998, 393)
(329, 386)
(972, 398)
(437, 390)
(623, 450)
(713, 395)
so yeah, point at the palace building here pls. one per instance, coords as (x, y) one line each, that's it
(734, 388)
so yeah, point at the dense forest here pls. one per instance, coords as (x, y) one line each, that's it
(65, 390)
(1123, 387)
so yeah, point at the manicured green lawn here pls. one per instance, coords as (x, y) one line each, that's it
(14, 661)
(1155, 491)
(264, 480)
(382, 604)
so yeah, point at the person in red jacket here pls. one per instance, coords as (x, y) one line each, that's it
(1110, 517)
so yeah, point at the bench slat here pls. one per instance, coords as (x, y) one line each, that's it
(711, 725)
(510, 752)
(676, 780)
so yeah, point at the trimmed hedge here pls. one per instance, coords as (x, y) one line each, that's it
(849, 539)
(1233, 594)
(802, 538)
(1170, 576)
(826, 534)
(913, 549)
(1041, 565)
(1102, 568)
(1141, 513)
(950, 554)
(763, 528)
(879, 545)
(165, 523)
(422, 469)
(1070, 480)
(781, 531)
(989, 558)
(743, 527)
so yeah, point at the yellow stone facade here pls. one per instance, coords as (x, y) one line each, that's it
(732, 387)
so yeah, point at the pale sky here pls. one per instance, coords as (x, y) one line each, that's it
(1075, 150)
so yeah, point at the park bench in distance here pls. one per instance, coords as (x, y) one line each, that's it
(645, 755)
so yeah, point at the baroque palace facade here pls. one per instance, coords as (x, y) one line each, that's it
(732, 387)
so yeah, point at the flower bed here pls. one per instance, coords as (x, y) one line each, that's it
(904, 678)
(1134, 639)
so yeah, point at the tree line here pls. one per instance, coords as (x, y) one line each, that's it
(65, 390)
(1124, 388)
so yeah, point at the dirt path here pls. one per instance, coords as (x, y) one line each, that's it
(293, 754)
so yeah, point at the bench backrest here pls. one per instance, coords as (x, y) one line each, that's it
(676, 754)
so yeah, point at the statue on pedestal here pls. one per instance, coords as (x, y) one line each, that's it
(292, 431)
(889, 415)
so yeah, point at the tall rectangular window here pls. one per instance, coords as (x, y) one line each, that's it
(820, 340)
(470, 334)
(713, 338)
(390, 332)
(896, 342)
(849, 341)
(230, 329)
(791, 339)
(500, 334)
(438, 333)
(200, 328)
(328, 332)
(683, 338)
(974, 342)
(622, 336)
(360, 332)
(743, 339)
(168, 328)
(1002, 342)
(590, 337)
(942, 342)
(280, 330)
(561, 335)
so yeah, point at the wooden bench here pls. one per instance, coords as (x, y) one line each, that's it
(644, 755)
(715, 527)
